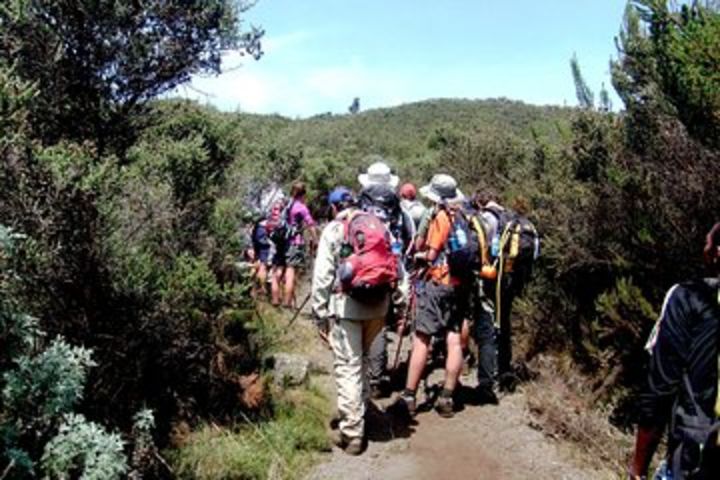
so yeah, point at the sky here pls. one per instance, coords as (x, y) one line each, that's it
(320, 54)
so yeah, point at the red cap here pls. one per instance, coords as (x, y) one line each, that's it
(408, 191)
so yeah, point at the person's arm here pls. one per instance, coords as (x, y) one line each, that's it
(647, 440)
(437, 236)
(324, 275)
(311, 225)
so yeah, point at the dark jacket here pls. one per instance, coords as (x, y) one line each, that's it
(686, 338)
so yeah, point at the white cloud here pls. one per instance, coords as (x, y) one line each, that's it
(277, 43)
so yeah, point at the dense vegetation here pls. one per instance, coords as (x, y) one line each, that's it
(124, 215)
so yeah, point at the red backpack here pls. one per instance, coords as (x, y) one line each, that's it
(368, 268)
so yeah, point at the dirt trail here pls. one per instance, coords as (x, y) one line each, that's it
(480, 442)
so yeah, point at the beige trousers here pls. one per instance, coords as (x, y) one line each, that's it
(350, 341)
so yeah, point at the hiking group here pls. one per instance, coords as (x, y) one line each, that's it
(446, 272)
(440, 272)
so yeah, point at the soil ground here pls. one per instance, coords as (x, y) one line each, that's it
(479, 442)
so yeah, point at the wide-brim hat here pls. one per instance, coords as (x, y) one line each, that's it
(442, 188)
(378, 174)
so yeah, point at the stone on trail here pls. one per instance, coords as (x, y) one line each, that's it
(289, 369)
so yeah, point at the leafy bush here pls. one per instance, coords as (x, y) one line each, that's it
(84, 450)
(39, 433)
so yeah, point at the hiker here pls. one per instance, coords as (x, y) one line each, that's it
(354, 273)
(410, 203)
(262, 255)
(682, 386)
(440, 302)
(290, 245)
(378, 196)
(510, 272)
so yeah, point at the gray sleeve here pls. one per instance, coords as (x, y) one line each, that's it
(324, 271)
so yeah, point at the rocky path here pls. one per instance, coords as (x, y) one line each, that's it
(480, 442)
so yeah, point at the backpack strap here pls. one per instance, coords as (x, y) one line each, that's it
(484, 255)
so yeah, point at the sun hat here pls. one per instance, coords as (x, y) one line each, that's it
(340, 195)
(442, 188)
(378, 173)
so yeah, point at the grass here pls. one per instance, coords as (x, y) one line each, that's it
(563, 408)
(281, 447)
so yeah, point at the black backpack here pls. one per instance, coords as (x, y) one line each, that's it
(384, 203)
(463, 246)
(696, 434)
(517, 241)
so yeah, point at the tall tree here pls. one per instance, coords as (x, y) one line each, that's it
(585, 96)
(97, 62)
(669, 63)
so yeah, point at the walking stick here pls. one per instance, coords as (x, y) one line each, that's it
(401, 335)
(408, 315)
(298, 311)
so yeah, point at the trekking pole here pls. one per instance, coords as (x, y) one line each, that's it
(403, 325)
(298, 311)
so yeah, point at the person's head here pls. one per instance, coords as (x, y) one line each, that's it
(711, 252)
(378, 174)
(340, 198)
(297, 190)
(408, 191)
(521, 205)
(381, 200)
(442, 189)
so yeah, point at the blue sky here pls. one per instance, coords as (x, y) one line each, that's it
(319, 54)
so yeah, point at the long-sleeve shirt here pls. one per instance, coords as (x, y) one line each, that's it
(685, 340)
(327, 300)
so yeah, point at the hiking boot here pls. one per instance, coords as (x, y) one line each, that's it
(445, 407)
(376, 391)
(508, 382)
(351, 446)
(410, 403)
(355, 446)
(486, 396)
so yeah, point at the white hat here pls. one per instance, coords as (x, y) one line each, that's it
(378, 174)
(442, 188)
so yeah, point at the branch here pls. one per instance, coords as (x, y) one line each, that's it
(10, 466)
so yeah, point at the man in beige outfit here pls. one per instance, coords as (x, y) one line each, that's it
(349, 325)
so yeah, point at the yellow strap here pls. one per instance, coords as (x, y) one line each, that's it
(501, 268)
(483, 241)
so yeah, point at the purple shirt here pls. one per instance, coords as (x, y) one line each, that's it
(299, 215)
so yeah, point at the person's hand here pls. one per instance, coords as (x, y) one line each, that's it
(323, 327)
(401, 325)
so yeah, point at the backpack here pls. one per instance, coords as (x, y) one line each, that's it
(516, 243)
(383, 202)
(697, 433)
(463, 246)
(368, 268)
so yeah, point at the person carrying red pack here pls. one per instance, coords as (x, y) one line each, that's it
(354, 275)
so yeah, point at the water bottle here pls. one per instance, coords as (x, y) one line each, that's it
(397, 248)
(453, 240)
(663, 472)
(495, 246)
(461, 237)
